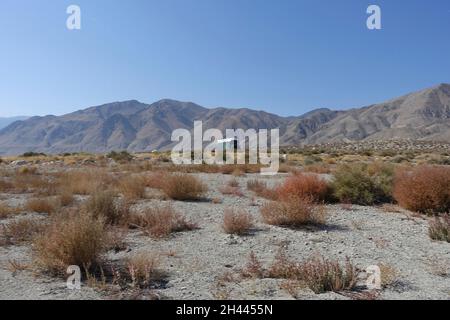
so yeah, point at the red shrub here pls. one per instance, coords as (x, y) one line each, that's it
(308, 186)
(425, 189)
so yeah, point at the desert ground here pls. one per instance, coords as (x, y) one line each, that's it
(201, 256)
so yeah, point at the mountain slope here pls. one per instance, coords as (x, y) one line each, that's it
(423, 115)
(135, 126)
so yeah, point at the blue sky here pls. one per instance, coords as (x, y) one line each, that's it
(284, 56)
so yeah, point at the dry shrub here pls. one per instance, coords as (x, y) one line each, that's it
(178, 186)
(19, 231)
(6, 210)
(155, 180)
(261, 189)
(237, 222)
(85, 181)
(425, 189)
(319, 274)
(48, 205)
(161, 221)
(439, 228)
(103, 205)
(143, 269)
(34, 183)
(293, 212)
(233, 183)
(302, 185)
(253, 268)
(73, 239)
(234, 191)
(133, 187)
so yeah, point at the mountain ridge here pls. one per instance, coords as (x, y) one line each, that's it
(135, 126)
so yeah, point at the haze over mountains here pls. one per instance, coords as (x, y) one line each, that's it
(4, 122)
(135, 126)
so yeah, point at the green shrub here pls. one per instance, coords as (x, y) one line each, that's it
(32, 154)
(122, 156)
(362, 184)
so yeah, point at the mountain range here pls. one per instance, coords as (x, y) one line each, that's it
(4, 122)
(136, 126)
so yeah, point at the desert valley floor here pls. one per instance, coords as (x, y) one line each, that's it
(207, 263)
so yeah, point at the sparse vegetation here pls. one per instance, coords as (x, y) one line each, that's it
(33, 154)
(18, 231)
(85, 182)
(319, 274)
(439, 228)
(43, 205)
(160, 221)
(7, 211)
(122, 156)
(237, 222)
(260, 189)
(104, 205)
(132, 187)
(143, 269)
(183, 187)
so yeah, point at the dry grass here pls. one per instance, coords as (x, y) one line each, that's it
(7, 211)
(85, 181)
(66, 198)
(161, 221)
(43, 205)
(302, 185)
(233, 183)
(22, 230)
(319, 274)
(318, 168)
(439, 228)
(237, 222)
(143, 269)
(73, 239)
(183, 187)
(155, 180)
(425, 189)
(103, 204)
(389, 275)
(132, 187)
(16, 266)
(294, 213)
(253, 268)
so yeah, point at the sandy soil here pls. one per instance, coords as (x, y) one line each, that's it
(195, 261)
